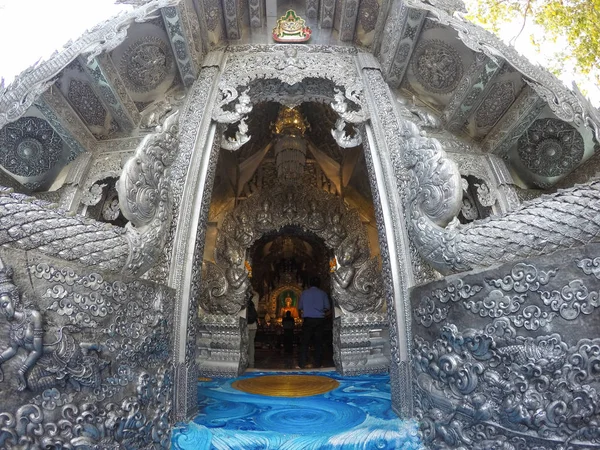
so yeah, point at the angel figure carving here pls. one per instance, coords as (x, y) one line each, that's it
(44, 366)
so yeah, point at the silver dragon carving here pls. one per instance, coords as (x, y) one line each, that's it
(566, 219)
(144, 197)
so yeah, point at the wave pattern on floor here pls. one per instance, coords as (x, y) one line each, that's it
(356, 415)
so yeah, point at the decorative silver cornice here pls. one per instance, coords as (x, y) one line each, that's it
(20, 94)
(568, 105)
(180, 43)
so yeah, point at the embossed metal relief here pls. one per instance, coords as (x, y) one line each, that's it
(357, 286)
(29, 147)
(489, 371)
(500, 97)
(367, 14)
(146, 63)
(83, 98)
(551, 147)
(81, 348)
(225, 284)
(437, 66)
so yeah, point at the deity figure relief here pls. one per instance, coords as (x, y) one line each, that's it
(264, 218)
(344, 275)
(316, 221)
(356, 283)
(26, 330)
(289, 207)
(338, 233)
(236, 272)
(243, 232)
(45, 366)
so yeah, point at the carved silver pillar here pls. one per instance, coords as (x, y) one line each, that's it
(383, 143)
(192, 174)
(359, 344)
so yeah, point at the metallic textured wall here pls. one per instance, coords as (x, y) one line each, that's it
(508, 357)
(85, 357)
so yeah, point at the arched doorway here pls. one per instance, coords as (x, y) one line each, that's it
(283, 263)
(286, 210)
(342, 78)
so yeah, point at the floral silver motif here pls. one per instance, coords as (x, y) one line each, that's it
(551, 147)
(29, 147)
(495, 104)
(83, 98)
(437, 66)
(367, 14)
(146, 63)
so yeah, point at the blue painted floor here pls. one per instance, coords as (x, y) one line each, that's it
(356, 415)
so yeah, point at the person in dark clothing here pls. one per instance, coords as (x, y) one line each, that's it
(314, 305)
(288, 332)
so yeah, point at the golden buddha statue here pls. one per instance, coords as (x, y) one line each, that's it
(288, 307)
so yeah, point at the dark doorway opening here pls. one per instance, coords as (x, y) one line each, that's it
(283, 263)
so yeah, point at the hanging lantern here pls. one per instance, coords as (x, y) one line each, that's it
(290, 147)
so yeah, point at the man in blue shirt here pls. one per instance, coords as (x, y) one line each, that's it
(314, 306)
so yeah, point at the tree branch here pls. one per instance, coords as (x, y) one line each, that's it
(527, 10)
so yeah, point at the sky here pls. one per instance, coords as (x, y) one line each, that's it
(523, 45)
(33, 29)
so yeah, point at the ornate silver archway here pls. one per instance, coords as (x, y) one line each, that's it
(356, 285)
(193, 173)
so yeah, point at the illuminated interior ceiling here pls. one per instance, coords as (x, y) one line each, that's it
(328, 166)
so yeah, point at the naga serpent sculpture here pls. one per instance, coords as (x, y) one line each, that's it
(569, 218)
(144, 197)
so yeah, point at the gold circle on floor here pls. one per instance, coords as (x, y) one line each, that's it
(286, 385)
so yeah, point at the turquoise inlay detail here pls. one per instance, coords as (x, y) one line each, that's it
(356, 415)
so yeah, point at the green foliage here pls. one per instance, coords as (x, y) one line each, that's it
(571, 25)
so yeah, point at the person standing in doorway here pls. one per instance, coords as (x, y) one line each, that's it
(288, 332)
(314, 306)
(252, 318)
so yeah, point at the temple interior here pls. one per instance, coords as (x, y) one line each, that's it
(185, 157)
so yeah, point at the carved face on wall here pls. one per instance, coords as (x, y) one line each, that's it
(7, 305)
